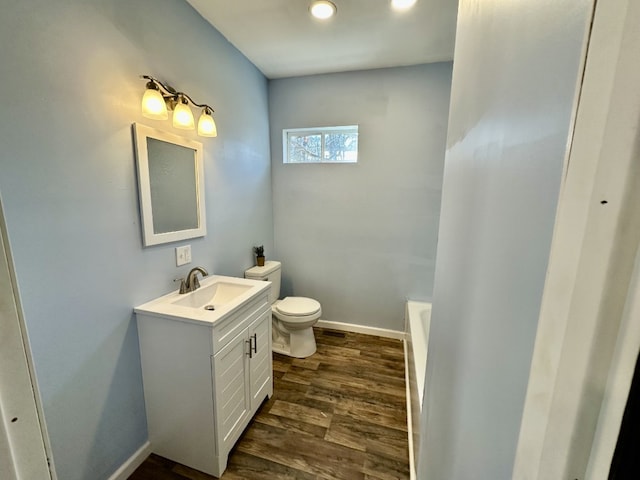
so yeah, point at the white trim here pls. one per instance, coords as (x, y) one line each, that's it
(352, 327)
(134, 461)
(591, 262)
(416, 343)
(412, 460)
(23, 436)
(319, 130)
(149, 237)
(617, 391)
(625, 352)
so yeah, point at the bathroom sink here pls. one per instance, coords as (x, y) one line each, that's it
(216, 294)
(217, 297)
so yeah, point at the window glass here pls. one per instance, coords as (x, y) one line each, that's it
(305, 148)
(321, 145)
(341, 147)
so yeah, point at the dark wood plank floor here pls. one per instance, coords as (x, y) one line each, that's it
(339, 414)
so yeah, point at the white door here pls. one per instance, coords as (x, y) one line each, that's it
(22, 444)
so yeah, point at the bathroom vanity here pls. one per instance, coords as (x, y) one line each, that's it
(206, 367)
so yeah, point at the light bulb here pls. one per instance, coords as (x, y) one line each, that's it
(402, 4)
(182, 116)
(206, 124)
(153, 105)
(322, 9)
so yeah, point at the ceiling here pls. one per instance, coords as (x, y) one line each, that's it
(282, 39)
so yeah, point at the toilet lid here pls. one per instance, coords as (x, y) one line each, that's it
(298, 306)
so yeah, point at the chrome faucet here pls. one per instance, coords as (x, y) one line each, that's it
(192, 283)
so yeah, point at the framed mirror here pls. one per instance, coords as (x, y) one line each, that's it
(170, 186)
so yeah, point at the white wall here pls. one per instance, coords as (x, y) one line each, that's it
(70, 92)
(516, 68)
(361, 238)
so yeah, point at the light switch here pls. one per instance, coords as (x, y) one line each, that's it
(183, 255)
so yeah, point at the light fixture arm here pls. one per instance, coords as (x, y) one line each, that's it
(172, 94)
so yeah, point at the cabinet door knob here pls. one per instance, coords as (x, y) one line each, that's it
(250, 349)
(255, 343)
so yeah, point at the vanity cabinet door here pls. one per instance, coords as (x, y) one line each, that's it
(231, 387)
(260, 363)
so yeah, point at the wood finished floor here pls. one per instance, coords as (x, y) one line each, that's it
(339, 414)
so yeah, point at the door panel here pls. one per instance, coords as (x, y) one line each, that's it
(230, 383)
(261, 361)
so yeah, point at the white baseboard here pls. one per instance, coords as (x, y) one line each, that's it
(134, 461)
(351, 327)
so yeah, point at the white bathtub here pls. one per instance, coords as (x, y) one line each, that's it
(417, 323)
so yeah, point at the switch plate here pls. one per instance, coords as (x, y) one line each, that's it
(183, 255)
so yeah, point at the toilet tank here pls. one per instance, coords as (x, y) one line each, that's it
(271, 272)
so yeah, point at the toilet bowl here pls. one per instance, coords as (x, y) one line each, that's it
(293, 318)
(293, 321)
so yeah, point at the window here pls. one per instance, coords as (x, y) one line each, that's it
(321, 145)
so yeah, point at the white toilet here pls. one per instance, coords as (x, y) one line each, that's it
(293, 317)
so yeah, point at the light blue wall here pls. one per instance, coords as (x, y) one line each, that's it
(70, 92)
(516, 68)
(361, 238)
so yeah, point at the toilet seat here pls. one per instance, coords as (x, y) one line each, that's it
(297, 307)
(307, 312)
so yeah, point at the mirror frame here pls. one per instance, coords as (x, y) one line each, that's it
(149, 237)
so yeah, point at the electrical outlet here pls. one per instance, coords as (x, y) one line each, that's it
(183, 255)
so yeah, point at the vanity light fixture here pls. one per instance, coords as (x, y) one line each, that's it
(182, 116)
(206, 125)
(153, 105)
(402, 4)
(158, 98)
(322, 9)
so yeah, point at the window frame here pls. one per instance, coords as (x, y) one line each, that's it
(323, 132)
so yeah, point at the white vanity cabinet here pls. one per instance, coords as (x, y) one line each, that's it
(204, 381)
(242, 379)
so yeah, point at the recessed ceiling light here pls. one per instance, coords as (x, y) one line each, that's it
(323, 9)
(402, 4)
